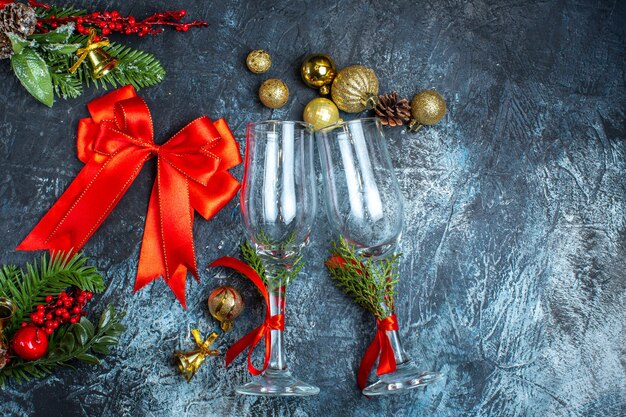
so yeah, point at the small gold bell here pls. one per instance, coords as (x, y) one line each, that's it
(189, 362)
(101, 62)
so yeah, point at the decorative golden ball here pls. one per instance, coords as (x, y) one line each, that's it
(274, 93)
(355, 89)
(259, 61)
(225, 305)
(321, 112)
(318, 71)
(427, 108)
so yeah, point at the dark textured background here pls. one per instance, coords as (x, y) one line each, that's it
(513, 277)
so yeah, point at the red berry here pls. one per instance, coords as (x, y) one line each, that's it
(81, 299)
(55, 324)
(58, 312)
(59, 302)
(131, 20)
(30, 343)
(49, 298)
(185, 28)
(49, 330)
(24, 324)
(41, 307)
(74, 320)
(76, 310)
(49, 316)
(106, 31)
(65, 315)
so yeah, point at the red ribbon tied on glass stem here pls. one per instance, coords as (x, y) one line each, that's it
(380, 349)
(275, 322)
(192, 175)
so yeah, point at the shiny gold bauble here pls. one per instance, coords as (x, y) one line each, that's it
(321, 112)
(225, 305)
(427, 108)
(318, 71)
(274, 93)
(259, 61)
(355, 89)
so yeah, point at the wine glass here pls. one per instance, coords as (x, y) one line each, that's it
(364, 205)
(278, 202)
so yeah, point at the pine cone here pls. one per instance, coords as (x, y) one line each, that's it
(392, 110)
(18, 18)
(6, 49)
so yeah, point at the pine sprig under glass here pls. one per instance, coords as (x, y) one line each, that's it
(80, 341)
(29, 286)
(284, 277)
(369, 283)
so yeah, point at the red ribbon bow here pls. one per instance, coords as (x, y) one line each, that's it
(275, 322)
(192, 174)
(380, 346)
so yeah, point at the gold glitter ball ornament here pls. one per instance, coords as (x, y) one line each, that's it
(321, 112)
(355, 89)
(427, 108)
(318, 71)
(274, 93)
(225, 305)
(259, 61)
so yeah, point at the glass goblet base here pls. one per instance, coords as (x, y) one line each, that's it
(278, 383)
(406, 377)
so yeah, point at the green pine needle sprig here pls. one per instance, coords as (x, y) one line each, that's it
(29, 286)
(369, 283)
(284, 276)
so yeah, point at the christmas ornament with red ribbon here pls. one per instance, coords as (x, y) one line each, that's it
(192, 175)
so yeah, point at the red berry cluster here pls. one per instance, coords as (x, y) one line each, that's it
(110, 22)
(65, 308)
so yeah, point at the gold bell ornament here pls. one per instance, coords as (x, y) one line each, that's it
(189, 362)
(318, 71)
(427, 108)
(102, 62)
(355, 89)
(7, 310)
(225, 305)
(321, 112)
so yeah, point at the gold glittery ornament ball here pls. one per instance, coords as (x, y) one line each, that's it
(225, 305)
(273, 93)
(427, 108)
(259, 61)
(318, 71)
(321, 112)
(355, 89)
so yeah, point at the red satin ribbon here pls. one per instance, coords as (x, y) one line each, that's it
(380, 347)
(276, 322)
(192, 174)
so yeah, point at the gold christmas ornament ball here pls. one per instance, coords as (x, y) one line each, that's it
(259, 61)
(274, 93)
(225, 305)
(318, 71)
(355, 89)
(427, 108)
(321, 112)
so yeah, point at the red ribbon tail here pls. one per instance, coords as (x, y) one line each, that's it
(367, 363)
(251, 339)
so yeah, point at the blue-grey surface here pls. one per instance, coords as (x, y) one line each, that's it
(513, 278)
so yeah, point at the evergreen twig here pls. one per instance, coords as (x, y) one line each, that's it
(369, 283)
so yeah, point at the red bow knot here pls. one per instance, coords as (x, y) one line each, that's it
(380, 349)
(275, 322)
(192, 175)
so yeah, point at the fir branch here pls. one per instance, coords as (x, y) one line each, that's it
(29, 286)
(284, 276)
(60, 12)
(79, 341)
(369, 283)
